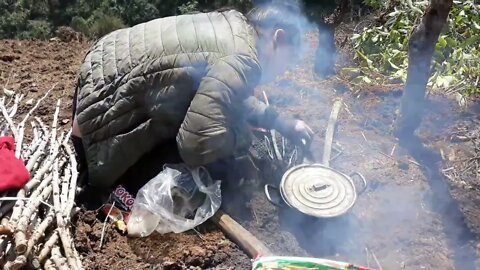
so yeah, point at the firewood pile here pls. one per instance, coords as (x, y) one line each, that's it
(35, 220)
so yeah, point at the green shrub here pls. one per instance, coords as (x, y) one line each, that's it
(383, 50)
(103, 24)
(79, 24)
(37, 29)
(189, 7)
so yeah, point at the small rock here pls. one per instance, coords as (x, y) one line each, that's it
(65, 121)
(29, 102)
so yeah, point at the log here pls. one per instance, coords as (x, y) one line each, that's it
(248, 242)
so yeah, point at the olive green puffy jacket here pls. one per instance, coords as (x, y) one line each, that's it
(188, 77)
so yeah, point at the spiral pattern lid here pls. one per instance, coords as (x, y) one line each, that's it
(317, 190)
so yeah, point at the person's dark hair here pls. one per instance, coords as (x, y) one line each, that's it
(285, 14)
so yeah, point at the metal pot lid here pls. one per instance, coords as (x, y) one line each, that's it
(316, 190)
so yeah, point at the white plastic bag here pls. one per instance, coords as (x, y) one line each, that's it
(172, 201)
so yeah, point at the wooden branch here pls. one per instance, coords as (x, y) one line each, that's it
(67, 244)
(240, 235)
(59, 260)
(50, 265)
(40, 230)
(20, 236)
(21, 127)
(7, 118)
(73, 181)
(46, 250)
(327, 149)
(17, 209)
(54, 125)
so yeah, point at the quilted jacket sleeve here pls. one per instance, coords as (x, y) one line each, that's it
(258, 113)
(213, 127)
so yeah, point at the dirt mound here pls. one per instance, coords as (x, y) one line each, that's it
(205, 249)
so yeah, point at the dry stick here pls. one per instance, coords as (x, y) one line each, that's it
(327, 149)
(42, 125)
(64, 190)
(20, 235)
(72, 261)
(36, 155)
(273, 133)
(105, 224)
(73, 181)
(68, 247)
(58, 259)
(376, 260)
(37, 178)
(19, 262)
(393, 150)
(56, 195)
(7, 118)
(17, 209)
(35, 142)
(75, 254)
(46, 250)
(13, 109)
(40, 231)
(54, 124)
(49, 265)
(21, 126)
(54, 150)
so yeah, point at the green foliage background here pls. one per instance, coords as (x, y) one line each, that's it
(94, 18)
(381, 51)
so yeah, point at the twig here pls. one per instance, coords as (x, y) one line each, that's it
(327, 149)
(414, 162)
(273, 133)
(46, 250)
(9, 120)
(59, 260)
(105, 224)
(376, 260)
(365, 138)
(73, 181)
(393, 149)
(21, 126)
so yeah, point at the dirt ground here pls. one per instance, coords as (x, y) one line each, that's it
(406, 219)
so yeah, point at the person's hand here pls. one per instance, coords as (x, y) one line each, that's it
(302, 133)
(295, 130)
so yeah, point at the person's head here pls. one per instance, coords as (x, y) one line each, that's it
(278, 25)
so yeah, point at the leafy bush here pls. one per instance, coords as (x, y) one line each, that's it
(189, 7)
(456, 62)
(103, 24)
(37, 29)
(79, 24)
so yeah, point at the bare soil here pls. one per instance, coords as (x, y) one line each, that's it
(407, 218)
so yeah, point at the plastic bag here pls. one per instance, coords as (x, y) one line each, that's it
(176, 200)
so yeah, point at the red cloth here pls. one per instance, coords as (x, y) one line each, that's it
(13, 173)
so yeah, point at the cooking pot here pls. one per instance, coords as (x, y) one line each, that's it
(316, 190)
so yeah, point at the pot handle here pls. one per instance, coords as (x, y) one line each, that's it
(364, 181)
(269, 198)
